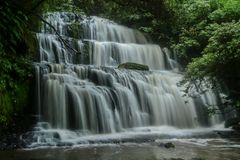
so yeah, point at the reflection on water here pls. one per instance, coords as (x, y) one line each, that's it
(187, 149)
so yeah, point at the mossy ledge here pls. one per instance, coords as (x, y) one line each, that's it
(134, 66)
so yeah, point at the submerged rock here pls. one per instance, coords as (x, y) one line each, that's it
(167, 145)
(134, 66)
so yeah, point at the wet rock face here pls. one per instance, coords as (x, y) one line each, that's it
(10, 135)
(236, 127)
(10, 142)
(233, 122)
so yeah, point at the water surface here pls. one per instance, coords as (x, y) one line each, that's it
(212, 149)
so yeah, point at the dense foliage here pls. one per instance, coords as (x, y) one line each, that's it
(16, 48)
(208, 41)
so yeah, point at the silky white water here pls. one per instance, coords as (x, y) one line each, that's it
(80, 91)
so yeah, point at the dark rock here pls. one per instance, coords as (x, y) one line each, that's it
(64, 144)
(134, 66)
(10, 142)
(228, 134)
(26, 139)
(10, 134)
(232, 122)
(56, 135)
(236, 127)
(167, 145)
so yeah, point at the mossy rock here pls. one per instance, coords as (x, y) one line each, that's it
(74, 30)
(86, 52)
(134, 66)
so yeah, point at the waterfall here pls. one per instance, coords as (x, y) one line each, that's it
(80, 90)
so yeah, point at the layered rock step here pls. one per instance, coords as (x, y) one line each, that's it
(80, 89)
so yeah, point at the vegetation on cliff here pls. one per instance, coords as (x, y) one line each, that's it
(16, 50)
(208, 43)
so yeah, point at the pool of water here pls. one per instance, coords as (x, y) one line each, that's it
(149, 143)
(187, 149)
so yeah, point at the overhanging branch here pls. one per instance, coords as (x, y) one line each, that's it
(57, 33)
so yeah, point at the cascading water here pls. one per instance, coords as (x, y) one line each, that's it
(80, 91)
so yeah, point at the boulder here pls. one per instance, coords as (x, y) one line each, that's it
(134, 66)
(167, 145)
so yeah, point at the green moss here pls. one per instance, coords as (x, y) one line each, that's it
(6, 109)
(13, 102)
(86, 51)
(134, 66)
(75, 30)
